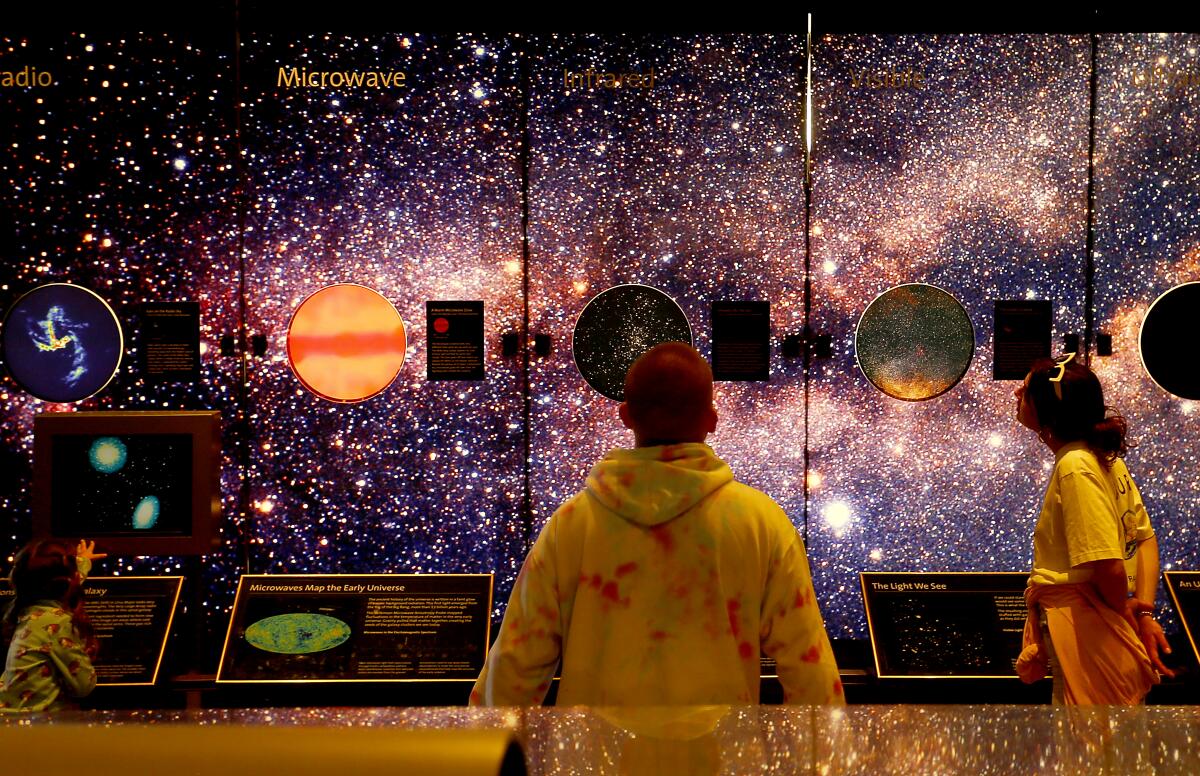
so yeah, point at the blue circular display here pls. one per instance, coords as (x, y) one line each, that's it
(108, 454)
(62, 343)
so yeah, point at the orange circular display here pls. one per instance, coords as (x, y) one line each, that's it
(346, 343)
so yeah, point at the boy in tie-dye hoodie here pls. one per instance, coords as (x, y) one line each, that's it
(664, 580)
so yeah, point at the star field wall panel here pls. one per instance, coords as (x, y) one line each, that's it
(118, 173)
(956, 161)
(411, 190)
(1148, 241)
(692, 185)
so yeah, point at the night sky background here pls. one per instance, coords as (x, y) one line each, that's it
(143, 175)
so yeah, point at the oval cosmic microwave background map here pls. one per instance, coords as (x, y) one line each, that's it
(300, 633)
(914, 342)
(616, 327)
(346, 343)
(62, 343)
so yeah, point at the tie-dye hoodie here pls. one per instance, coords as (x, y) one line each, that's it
(660, 584)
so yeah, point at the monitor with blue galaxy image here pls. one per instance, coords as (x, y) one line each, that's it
(128, 483)
(136, 482)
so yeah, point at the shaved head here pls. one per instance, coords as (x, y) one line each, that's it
(669, 396)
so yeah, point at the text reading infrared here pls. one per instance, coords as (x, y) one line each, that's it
(586, 79)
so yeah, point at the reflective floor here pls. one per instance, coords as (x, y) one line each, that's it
(770, 739)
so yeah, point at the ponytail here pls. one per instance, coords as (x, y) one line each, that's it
(1107, 439)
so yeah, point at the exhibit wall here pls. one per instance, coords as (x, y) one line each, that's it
(415, 193)
(120, 175)
(976, 184)
(508, 169)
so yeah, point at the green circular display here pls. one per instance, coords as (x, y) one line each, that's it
(914, 342)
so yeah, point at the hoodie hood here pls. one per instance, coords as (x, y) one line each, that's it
(653, 485)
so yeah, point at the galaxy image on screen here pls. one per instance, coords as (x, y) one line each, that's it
(121, 484)
(138, 176)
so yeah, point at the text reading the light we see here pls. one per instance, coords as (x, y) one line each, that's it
(905, 586)
(302, 77)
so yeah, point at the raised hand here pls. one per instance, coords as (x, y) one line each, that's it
(86, 549)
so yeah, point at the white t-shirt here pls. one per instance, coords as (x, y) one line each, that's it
(1089, 513)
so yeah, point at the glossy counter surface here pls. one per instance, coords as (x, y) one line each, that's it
(759, 739)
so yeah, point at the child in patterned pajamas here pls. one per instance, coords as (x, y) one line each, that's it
(50, 655)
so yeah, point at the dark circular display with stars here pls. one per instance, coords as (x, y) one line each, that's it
(62, 342)
(914, 342)
(1170, 325)
(619, 325)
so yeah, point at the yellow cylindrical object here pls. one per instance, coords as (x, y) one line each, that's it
(221, 750)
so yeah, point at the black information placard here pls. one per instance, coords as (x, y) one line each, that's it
(132, 618)
(357, 628)
(741, 340)
(1022, 335)
(170, 341)
(1184, 587)
(945, 624)
(454, 338)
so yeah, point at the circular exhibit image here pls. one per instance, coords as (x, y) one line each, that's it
(914, 342)
(62, 343)
(301, 633)
(618, 325)
(346, 343)
(1167, 341)
(108, 454)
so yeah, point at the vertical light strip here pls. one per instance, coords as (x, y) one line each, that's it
(1089, 247)
(808, 340)
(808, 89)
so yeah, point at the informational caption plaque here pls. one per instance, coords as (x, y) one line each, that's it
(1022, 335)
(1184, 587)
(967, 625)
(131, 617)
(170, 341)
(741, 337)
(357, 628)
(454, 338)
